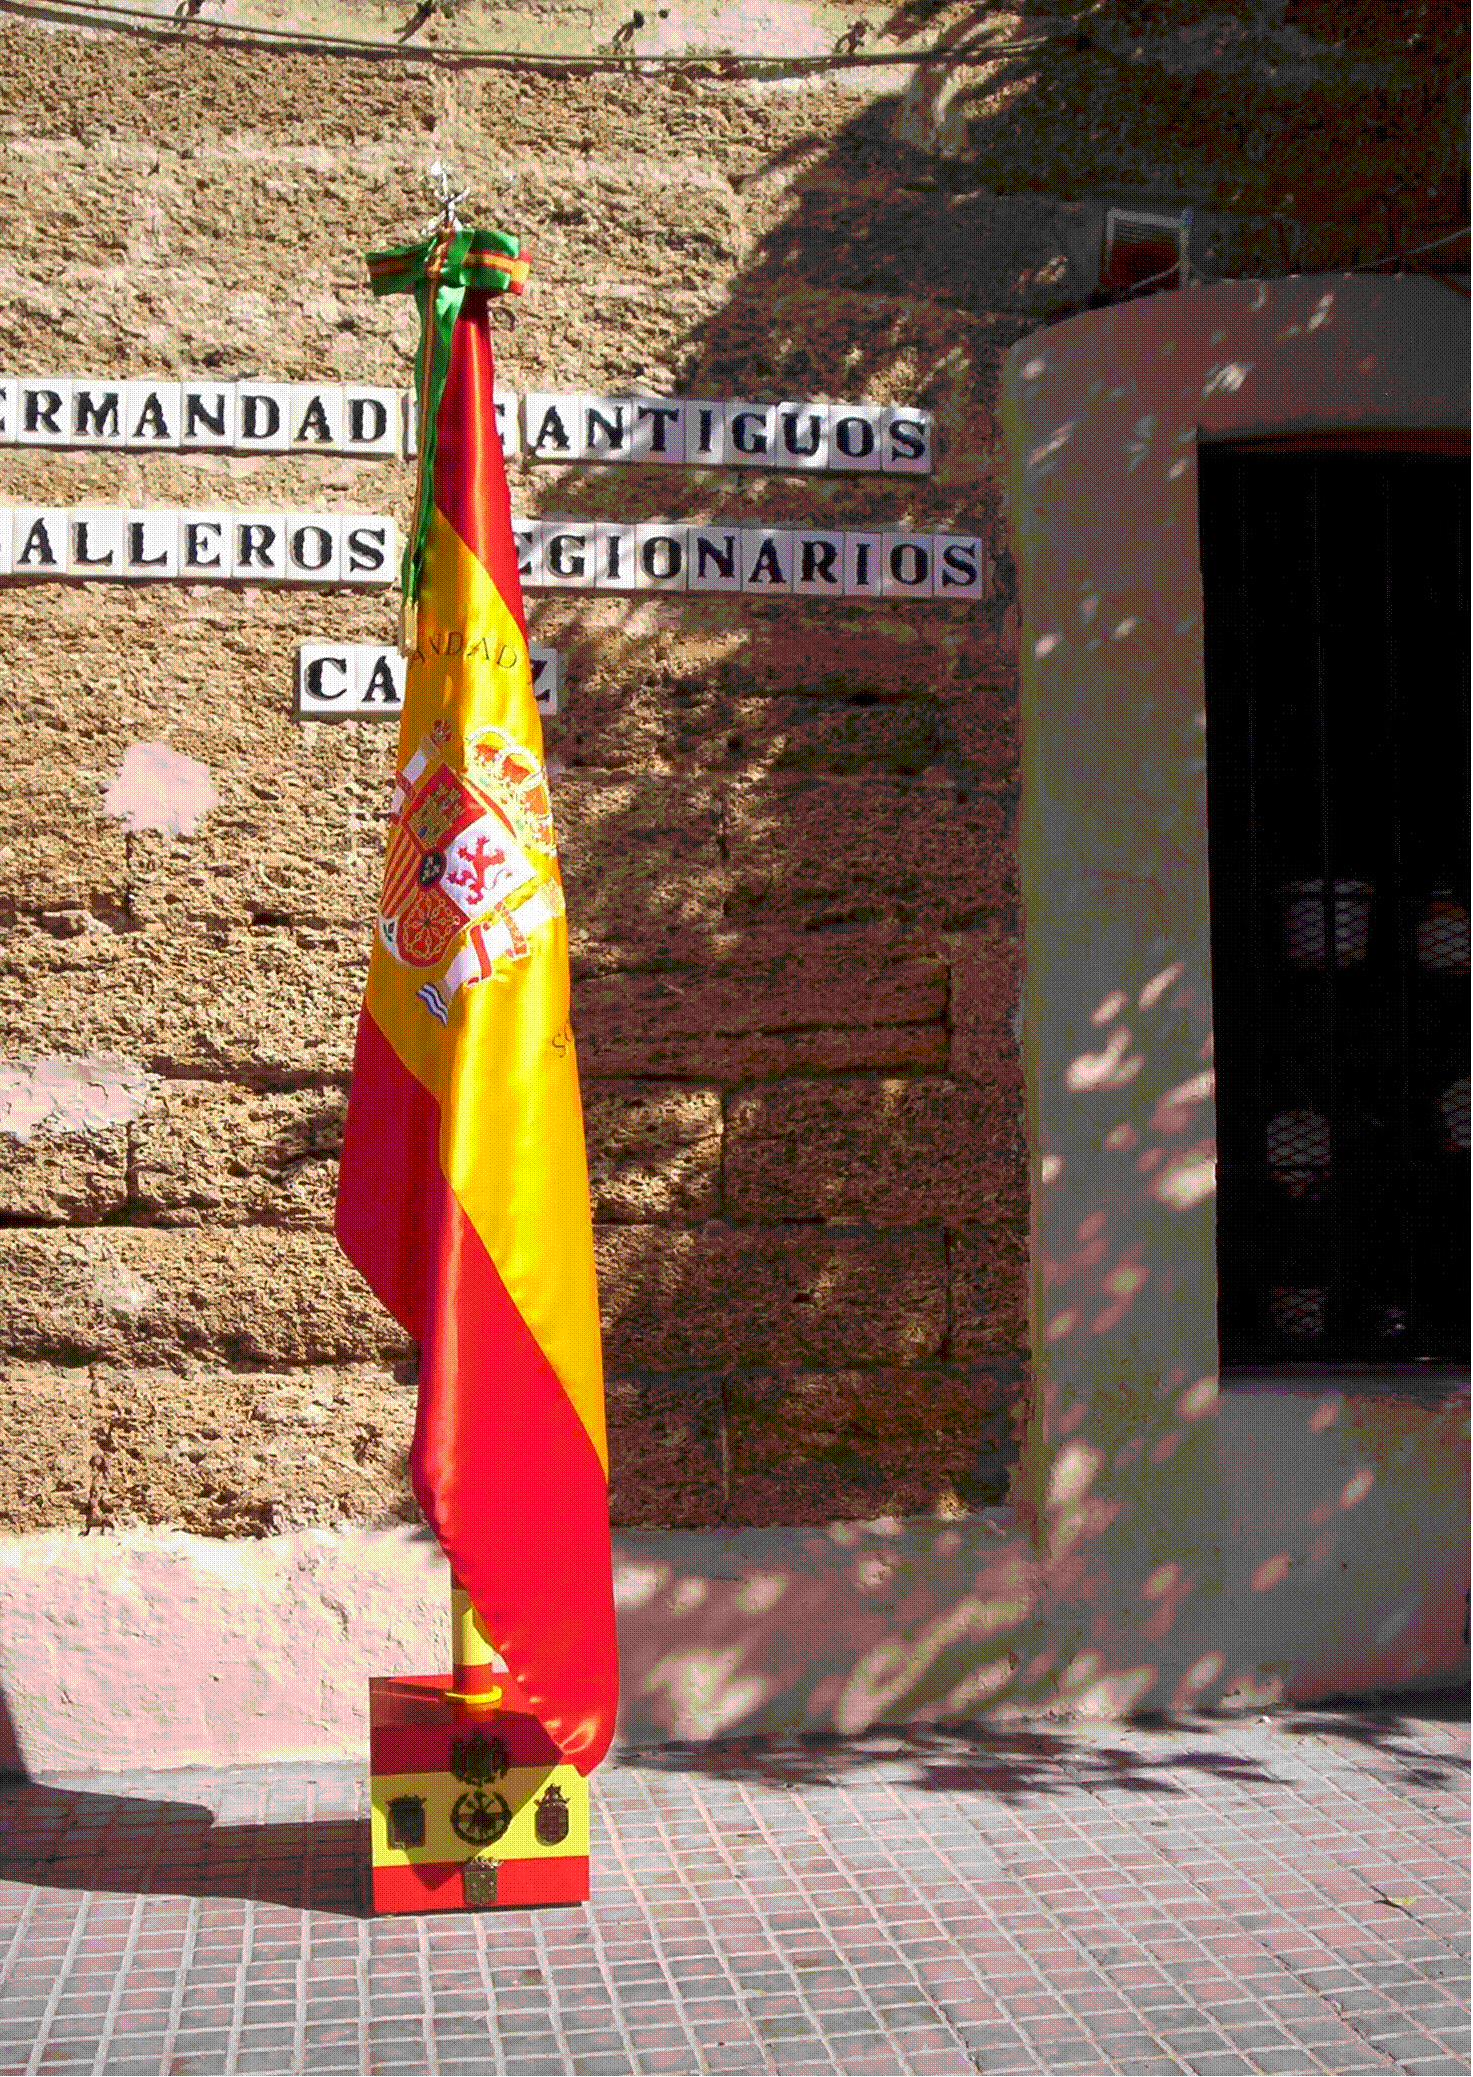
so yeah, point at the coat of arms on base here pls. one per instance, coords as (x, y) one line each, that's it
(471, 1808)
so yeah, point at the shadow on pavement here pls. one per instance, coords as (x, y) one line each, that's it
(80, 1839)
(1024, 1761)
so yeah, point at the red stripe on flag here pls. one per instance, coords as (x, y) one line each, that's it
(470, 475)
(501, 1465)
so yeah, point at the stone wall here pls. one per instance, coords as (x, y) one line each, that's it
(786, 826)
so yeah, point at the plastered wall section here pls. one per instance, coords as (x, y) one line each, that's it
(787, 828)
(1189, 1533)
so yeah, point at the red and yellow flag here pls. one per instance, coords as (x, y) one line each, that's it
(463, 1191)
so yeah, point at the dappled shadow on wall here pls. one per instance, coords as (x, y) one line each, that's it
(1184, 1551)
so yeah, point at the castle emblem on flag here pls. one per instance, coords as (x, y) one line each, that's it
(471, 871)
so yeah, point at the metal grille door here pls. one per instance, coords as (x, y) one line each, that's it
(1337, 638)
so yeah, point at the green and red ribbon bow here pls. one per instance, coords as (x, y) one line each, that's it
(439, 273)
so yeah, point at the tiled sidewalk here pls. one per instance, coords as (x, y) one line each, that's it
(1214, 1896)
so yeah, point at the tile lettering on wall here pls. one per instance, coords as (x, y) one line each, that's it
(267, 416)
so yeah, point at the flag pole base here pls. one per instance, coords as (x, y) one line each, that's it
(472, 1806)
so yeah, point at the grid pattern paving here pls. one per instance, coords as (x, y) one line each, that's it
(1212, 1895)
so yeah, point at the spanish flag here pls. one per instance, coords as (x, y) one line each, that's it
(463, 1191)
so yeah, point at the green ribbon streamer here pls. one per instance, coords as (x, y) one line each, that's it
(438, 273)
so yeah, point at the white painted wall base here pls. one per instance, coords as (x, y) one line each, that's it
(1316, 1549)
(149, 1646)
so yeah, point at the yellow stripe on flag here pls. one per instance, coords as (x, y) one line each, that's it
(504, 1071)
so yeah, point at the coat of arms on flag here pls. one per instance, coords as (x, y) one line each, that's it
(471, 871)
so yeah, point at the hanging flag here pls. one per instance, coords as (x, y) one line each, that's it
(463, 1191)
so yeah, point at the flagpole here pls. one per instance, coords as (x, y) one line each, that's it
(480, 1772)
(475, 1661)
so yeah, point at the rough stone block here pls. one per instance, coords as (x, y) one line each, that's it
(641, 858)
(857, 1445)
(985, 972)
(138, 1295)
(72, 1178)
(826, 852)
(44, 1466)
(57, 853)
(266, 1003)
(209, 1152)
(716, 702)
(664, 1452)
(654, 1151)
(733, 1298)
(755, 1004)
(988, 1270)
(64, 1137)
(890, 1152)
(868, 237)
(231, 1455)
(979, 699)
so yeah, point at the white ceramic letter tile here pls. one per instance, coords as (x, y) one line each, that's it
(325, 679)
(705, 433)
(767, 559)
(316, 417)
(526, 536)
(260, 547)
(660, 557)
(8, 389)
(370, 420)
(658, 429)
(961, 567)
(95, 542)
(818, 564)
(802, 436)
(863, 566)
(504, 403)
(263, 422)
(97, 413)
(604, 423)
(150, 545)
(546, 679)
(151, 418)
(43, 411)
(906, 440)
(567, 555)
(750, 433)
(314, 548)
(370, 549)
(552, 428)
(715, 558)
(38, 540)
(378, 679)
(908, 566)
(207, 414)
(615, 556)
(854, 436)
(206, 546)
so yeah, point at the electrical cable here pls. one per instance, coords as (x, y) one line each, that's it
(1069, 31)
(174, 30)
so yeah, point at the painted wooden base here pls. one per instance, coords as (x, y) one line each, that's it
(471, 1808)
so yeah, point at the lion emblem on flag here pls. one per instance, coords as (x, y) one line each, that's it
(471, 871)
